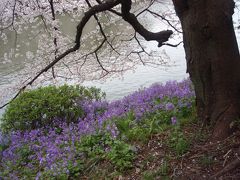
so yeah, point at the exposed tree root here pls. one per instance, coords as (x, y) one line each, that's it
(232, 166)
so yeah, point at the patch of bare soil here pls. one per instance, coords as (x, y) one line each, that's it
(204, 159)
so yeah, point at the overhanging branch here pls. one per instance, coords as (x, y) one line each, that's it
(160, 37)
(94, 10)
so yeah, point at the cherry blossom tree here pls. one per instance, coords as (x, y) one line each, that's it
(59, 56)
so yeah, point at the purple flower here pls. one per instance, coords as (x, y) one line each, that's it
(174, 120)
(169, 106)
(52, 151)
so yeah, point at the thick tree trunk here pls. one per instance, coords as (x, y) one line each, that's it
(212, 61)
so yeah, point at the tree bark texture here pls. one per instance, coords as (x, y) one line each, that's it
(213, 61)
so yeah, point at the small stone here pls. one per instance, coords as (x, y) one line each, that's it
(139, 165)
(120, 177)
(138, 170)
(134, 149)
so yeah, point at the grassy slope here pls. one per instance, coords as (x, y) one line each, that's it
(151, 134)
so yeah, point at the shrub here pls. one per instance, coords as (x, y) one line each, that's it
(38, 108)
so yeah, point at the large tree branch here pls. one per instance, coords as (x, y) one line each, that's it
(160, 37)
(111, 10)
(101, 28)
(94, 10)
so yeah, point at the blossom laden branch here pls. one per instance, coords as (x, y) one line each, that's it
(108, 5)
(101, 28)
(160, 37)
(94, 10)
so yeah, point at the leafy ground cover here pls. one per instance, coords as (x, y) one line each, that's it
(150, 134)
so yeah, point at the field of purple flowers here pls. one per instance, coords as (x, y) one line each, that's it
(106, 133)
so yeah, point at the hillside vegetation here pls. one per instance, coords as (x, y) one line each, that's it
(150, 134)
